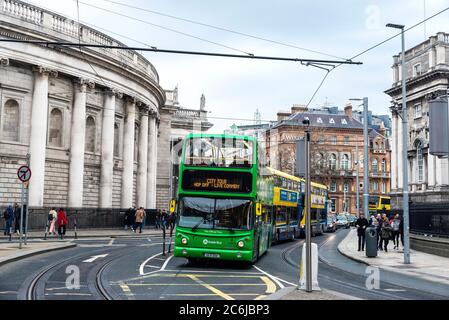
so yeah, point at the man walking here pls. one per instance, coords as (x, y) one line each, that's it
(17, 210)
(9, 217)
(140, 216)
(361, 224)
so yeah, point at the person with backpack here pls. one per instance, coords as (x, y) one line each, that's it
(52, 217)
(9, 217)
(62, 222)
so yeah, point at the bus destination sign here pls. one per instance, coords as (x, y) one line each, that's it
(216, 181)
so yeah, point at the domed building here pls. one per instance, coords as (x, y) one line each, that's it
(88, 118)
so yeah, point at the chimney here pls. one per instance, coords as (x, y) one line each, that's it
(299, 108)
(282, 115)
(348, 110)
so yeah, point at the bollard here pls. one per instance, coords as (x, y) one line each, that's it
(171, 235)
(163, 240)
(46, 230)
(74, 226)
(10, 235)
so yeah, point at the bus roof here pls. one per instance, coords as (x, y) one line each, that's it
(293, 178)
(219, 135)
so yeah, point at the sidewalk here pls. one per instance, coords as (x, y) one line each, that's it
(423, 265)
(93, 233)
(10, 252)
(292, 293)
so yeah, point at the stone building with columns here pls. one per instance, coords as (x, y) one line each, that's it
(427, 70)
(88, 117)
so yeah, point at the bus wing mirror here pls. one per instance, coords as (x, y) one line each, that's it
(172, 206)
(258, 209)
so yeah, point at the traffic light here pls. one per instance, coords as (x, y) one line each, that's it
(172, 206)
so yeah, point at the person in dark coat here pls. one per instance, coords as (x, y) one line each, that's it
(158, 219)
(17, 210)
(9, 217)
(361, 224)
(386, 232)
(133, 219)
(127, 218)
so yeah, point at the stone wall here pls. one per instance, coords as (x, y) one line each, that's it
(56, 183)
(91, 186)
(10, 187)
(117, 188)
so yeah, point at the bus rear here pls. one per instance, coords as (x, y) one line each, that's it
(217, 199)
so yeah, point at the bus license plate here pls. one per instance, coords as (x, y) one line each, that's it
(212, 255)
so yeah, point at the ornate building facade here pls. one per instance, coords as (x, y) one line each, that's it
(427, 69)
(88, 117)
(337, 138)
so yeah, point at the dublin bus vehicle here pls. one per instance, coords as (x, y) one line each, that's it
(318, 209)
(223, 201)
(287, 205)
(379, 204)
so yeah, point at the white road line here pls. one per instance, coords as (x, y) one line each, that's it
(395, 290)
(289, 283)
(68, 294)
(142, 266)
(111, 242)
(213, 271)
(271, 277)
(165, 263)
(150, 266)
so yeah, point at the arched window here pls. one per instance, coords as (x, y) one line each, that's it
(374, 165)
(333, 162)
(11, 121)
(55, 131)
(116, 140)
(420, 160)
(384, 166)
(91, 132)
(345, 162)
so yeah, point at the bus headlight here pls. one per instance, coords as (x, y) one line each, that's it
(241, 244)
(184, 241)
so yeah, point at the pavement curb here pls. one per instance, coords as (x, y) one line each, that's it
(281, 293)
(349, 256)
(36, 252)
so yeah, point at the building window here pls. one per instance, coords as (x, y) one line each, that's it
(91, 132)
(346, 187)
(321, 140)
(420, 159)
(346, 141)
(384, 166)
(333, 205)
(55, 131)
(376, 146)
(417, 71)
(11, 121)
(384, 187)
(374, 165)
(345, 162)
(333, 186)
(333, 162)
(334, 140)
(418, 112)
(116, 140)
(375, 186)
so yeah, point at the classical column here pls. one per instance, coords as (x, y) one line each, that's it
(107, 149)
(155, 156)
(128, 154)
(152, 162)
(38, 136)
(142, 158)
(77, 144)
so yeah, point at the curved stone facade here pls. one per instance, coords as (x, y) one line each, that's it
(89, 119)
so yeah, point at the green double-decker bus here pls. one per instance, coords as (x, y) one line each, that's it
(223, 199)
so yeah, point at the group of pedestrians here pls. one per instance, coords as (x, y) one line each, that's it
(386, 229)
(12, 216)
(57, 219)
(165, 220)
(135, 219)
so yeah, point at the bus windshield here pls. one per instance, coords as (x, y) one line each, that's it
(208, 213)
(219, 152)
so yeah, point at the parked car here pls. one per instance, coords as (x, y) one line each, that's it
(342, 221)
(331, 224)
(352, 219)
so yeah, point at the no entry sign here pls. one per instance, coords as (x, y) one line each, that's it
(24, 173)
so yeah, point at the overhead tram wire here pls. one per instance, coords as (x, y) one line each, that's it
(165, 28)
(223, 29)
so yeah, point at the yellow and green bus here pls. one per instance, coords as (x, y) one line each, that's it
(379, 204)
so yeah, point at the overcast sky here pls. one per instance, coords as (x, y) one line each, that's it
(235, 88)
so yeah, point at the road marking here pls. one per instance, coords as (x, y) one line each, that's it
(181, 275)
(142, 266)
(289, 283)
(111, 242)
(209, 294)
(8, 292)
(271, 277)
(395, 290)
(96, 257)
(68, 294)
(271, 287)
(150, 266)
(211, 271)
(125, 288)
(260, 297)
(165, 263)
(194, 284)
(61, 288)
(211, 288)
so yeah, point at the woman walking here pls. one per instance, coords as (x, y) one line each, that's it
(386, 232)
(52, 217)
(396, 224)
(62, 223)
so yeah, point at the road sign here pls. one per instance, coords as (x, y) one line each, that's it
(24, 173)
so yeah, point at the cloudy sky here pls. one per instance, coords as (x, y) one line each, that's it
(236, 88)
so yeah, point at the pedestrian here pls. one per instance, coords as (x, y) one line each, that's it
(17, 210)
(395, 224)
(140, 216)
(9, 217)
(142, 226)
(379, 229)
(361, 224)
(386, 232)
(158, 219)
(401, 231)
(164, 219)
(52, 217)
(133, 219)
(127, 219)
(62, 222)
(172, 221)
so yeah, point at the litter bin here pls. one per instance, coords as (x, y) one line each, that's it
(371, 242)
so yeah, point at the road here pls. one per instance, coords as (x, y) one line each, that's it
(135, 269)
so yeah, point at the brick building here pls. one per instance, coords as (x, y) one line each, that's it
(336, 135)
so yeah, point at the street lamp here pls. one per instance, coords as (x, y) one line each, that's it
(405, 187)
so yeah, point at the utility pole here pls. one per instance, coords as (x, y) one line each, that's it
(357, 176)
(365, 158)
(308, 218)
(405, 188)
